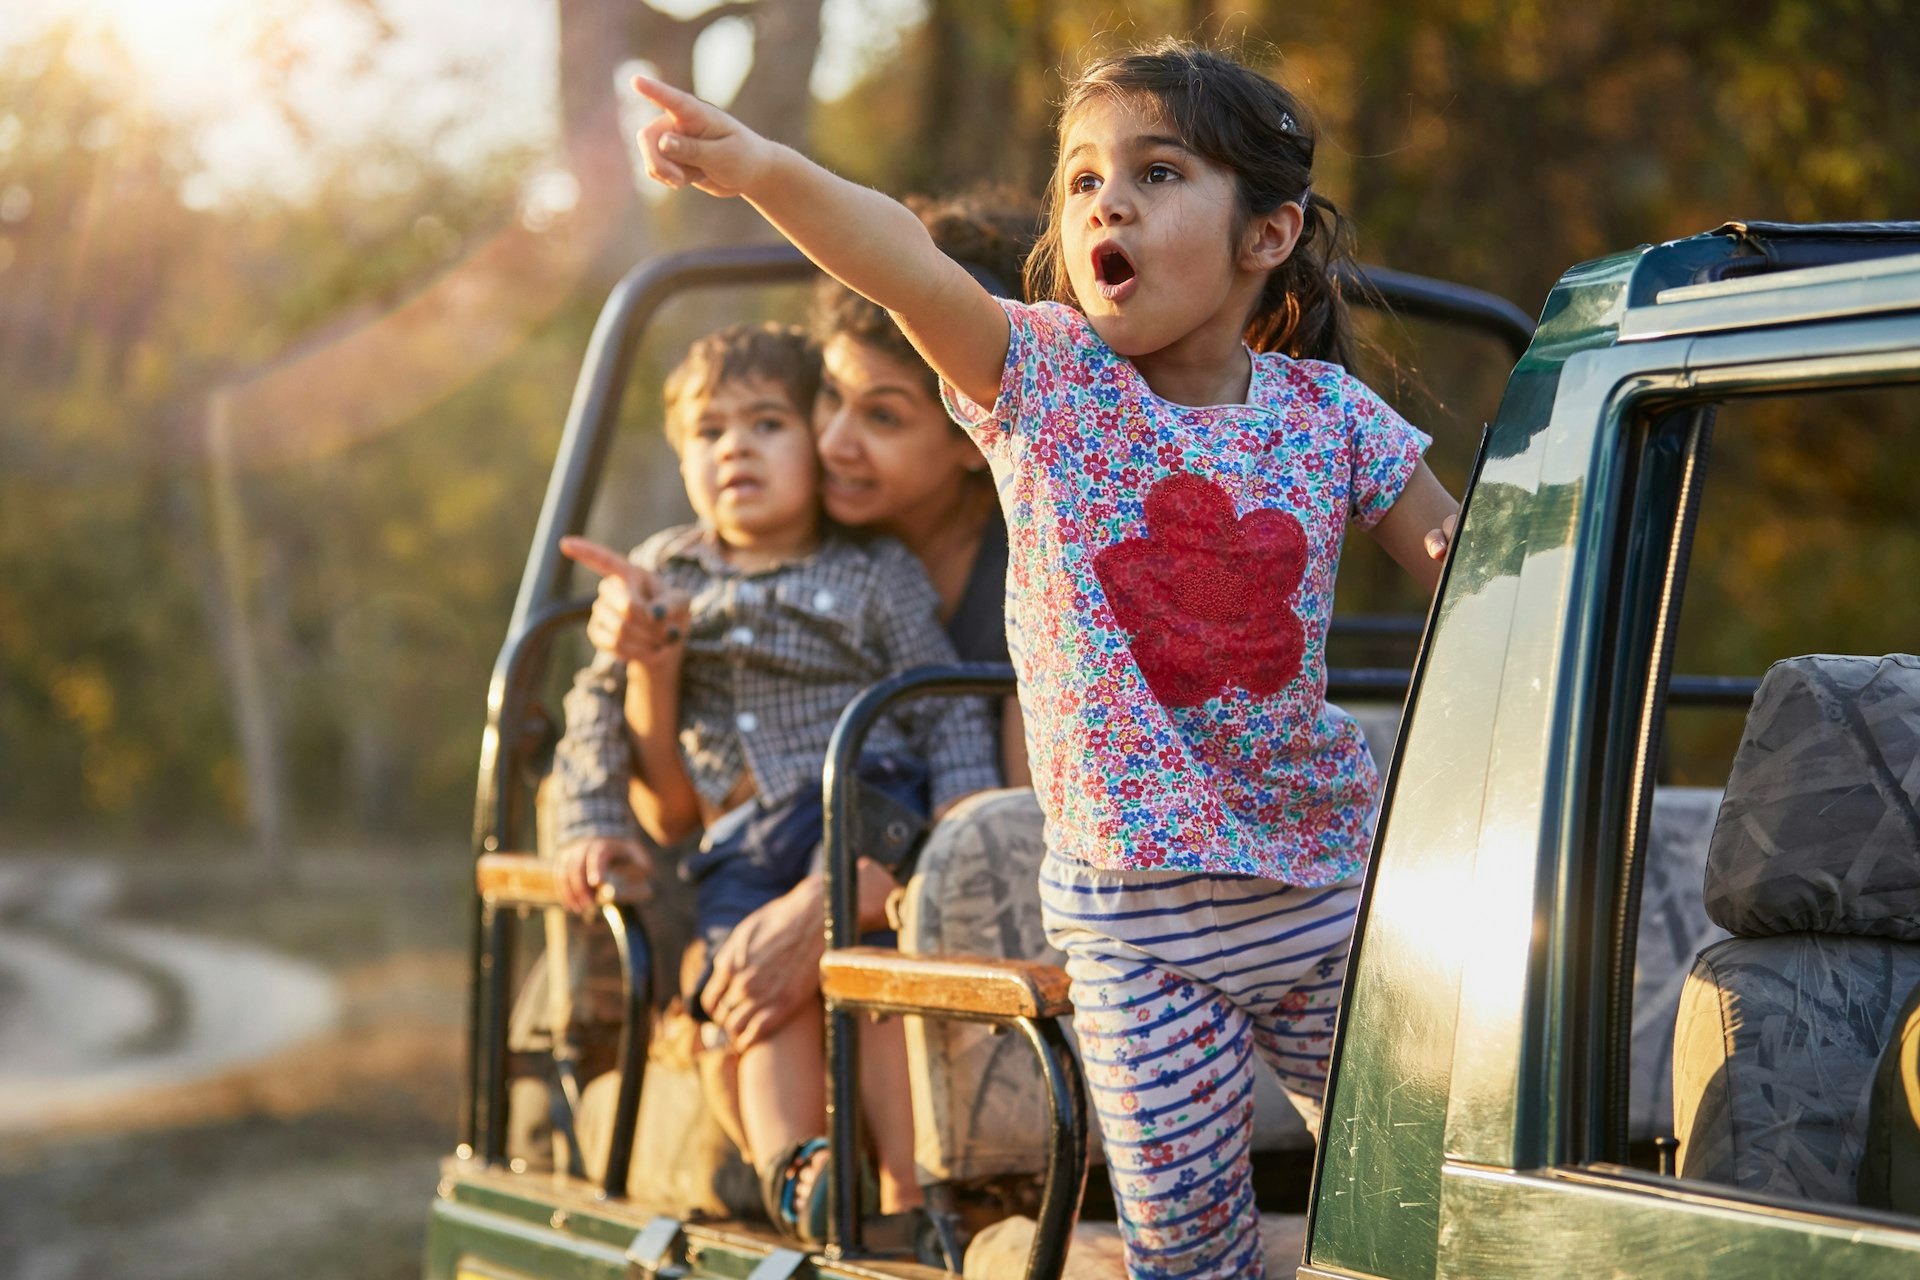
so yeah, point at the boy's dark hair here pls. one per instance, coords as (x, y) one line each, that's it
(989, 231)
(780, 353)
(1250, 126)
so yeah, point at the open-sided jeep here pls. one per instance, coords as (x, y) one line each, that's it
(1557, 1052)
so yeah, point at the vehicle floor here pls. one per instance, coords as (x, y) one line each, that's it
(1000, 1252)
(574, 1209)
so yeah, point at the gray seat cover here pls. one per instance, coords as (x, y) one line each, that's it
(1815, 865)
(1674, 928)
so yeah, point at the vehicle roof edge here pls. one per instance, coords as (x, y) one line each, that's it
(1823, 270)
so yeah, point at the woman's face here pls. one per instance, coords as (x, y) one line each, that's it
(887, 448)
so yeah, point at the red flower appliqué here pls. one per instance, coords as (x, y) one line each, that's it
(1207, 599)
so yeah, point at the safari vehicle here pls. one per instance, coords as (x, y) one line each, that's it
(1535, 1069)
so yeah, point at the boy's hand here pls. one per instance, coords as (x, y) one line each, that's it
(1440, 541)
(634, 618)
(695, 143)
(582, 866)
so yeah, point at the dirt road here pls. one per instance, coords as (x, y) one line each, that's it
(207, 1072)
(95, 1008)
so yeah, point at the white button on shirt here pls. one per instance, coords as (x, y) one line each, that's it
(822, 600)
(741, 635)
(746, 722)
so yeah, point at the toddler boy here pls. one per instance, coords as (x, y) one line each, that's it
(725, 653)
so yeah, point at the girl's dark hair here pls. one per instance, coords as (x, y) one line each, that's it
(989, 231)
(1250, 126)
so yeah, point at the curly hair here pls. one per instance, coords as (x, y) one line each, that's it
(782, 354)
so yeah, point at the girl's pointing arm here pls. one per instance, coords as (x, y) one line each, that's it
(869, 242)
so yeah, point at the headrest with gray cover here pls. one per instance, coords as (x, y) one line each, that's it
(1820, 828)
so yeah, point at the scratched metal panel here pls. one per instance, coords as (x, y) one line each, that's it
(1497, 1223)
(1376, 1207)
(1505, 1103)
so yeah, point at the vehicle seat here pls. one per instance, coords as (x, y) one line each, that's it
(1673, 929)
(1815, 868)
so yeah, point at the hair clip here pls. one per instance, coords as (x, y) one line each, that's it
(1287, 124)
(1306, 198)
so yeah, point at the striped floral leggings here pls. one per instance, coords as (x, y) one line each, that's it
(1178, 980)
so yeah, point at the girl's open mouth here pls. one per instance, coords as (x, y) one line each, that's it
(1113, 271)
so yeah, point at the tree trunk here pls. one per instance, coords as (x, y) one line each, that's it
(223, 584)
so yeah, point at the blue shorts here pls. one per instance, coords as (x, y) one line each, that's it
(755, 854)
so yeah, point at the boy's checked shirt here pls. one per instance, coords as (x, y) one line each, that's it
(773, 658)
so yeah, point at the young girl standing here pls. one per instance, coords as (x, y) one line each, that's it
(1177, 464)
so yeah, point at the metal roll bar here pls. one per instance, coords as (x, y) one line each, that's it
(1066, 1091)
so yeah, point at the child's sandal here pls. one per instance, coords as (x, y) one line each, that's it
(803, 1222)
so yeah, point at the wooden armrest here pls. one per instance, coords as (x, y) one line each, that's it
(963, 986)
(525, 880)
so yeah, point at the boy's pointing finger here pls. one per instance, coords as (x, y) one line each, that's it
(590, 555)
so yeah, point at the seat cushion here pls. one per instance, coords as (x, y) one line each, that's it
(1819, 830)
(1775, 1048)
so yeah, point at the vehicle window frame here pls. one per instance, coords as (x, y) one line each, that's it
(1492, 1215)
(1666, 439)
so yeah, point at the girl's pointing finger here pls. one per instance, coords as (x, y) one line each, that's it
(669, 99)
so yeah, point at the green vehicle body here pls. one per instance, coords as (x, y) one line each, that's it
(1474, 1123)
(1460, 1137)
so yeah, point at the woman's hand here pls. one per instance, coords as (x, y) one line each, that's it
(769, 966)
(635, 618)
(768, 969)
(693, 143)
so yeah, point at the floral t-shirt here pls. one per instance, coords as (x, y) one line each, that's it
(1169, 584)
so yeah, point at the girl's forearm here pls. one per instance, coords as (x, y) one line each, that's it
(868, 241)
(875, 246)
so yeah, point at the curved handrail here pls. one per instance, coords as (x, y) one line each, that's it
(1431, 299)
(503, 884)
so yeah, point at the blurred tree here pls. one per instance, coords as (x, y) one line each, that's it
(362, 380)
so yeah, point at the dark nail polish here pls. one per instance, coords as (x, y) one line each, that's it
(673, 635)
(658, 610)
